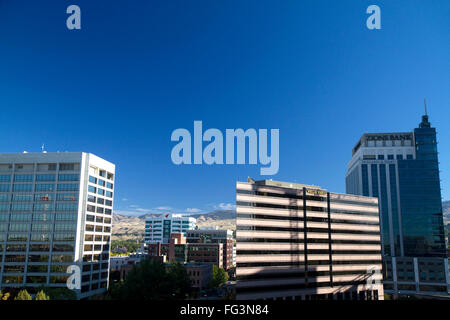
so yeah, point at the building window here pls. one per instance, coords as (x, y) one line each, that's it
(45, 187)
(66, 166)
(68, 187)
(45, 177)
(69, 177)
(23, 178)
(22, 187)
(5, 178)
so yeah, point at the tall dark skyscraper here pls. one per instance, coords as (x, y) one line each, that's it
(402, 170)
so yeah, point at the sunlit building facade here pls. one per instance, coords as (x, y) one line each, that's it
(300, 242)
(55, 212)
(402, 170)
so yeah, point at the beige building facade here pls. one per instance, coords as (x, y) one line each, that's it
(300, 242)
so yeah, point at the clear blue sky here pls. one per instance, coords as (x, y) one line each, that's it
(140, 69)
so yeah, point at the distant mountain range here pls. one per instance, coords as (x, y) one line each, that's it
(132, 227)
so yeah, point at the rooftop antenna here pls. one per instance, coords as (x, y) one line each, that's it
(425, 123)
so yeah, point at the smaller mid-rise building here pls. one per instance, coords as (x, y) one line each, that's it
(118, 261)
(160, 228)
(178, 250)
(215, 235)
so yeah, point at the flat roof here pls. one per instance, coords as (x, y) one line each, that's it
(282, 184)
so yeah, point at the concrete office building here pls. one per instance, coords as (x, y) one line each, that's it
(214, 236)
(55, 211)
(301, 242)
(160, 228)
(402, 170)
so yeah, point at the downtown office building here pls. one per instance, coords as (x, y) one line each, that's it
(160, 228)
(55, 212)
(402, 170)
(300, 242)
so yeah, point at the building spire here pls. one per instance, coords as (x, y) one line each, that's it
(425, 123)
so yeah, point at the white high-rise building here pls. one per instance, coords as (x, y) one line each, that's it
(55, 212)
(159, 229)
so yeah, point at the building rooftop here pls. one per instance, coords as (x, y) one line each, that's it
(311, 190)
(282, 184)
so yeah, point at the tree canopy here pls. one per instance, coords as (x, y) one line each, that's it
(219, 277)
(41, 296)
(152, 280)
(23, 295)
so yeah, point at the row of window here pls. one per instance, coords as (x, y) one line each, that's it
(100, 191)
(38, 227)
(91, 228)
(39, 247)
(389, 157)
(43, 217)
(99, 200)
(38, 197)
(91, 208)
(300, 207)
(38, 237)
(308, 219)
(97, 247)
(39, 258)
(35, 279)
(39, 177)
(94, 286)
(97, 238)
(40, 187)
(101, 182)
(101, 173)
(39, 207)
(95, 257)
(98, 219)
(35, 268)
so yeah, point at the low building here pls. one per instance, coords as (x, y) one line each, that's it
(178, 250)
(214, 235)
(199, 274)
(121, 265)
(116, 262)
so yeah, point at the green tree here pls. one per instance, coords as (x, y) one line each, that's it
(179, 278)
(41, 296)
(151, 280)
(23, 295)
(219, 277)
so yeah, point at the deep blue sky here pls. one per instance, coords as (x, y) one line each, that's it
(140, 69)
